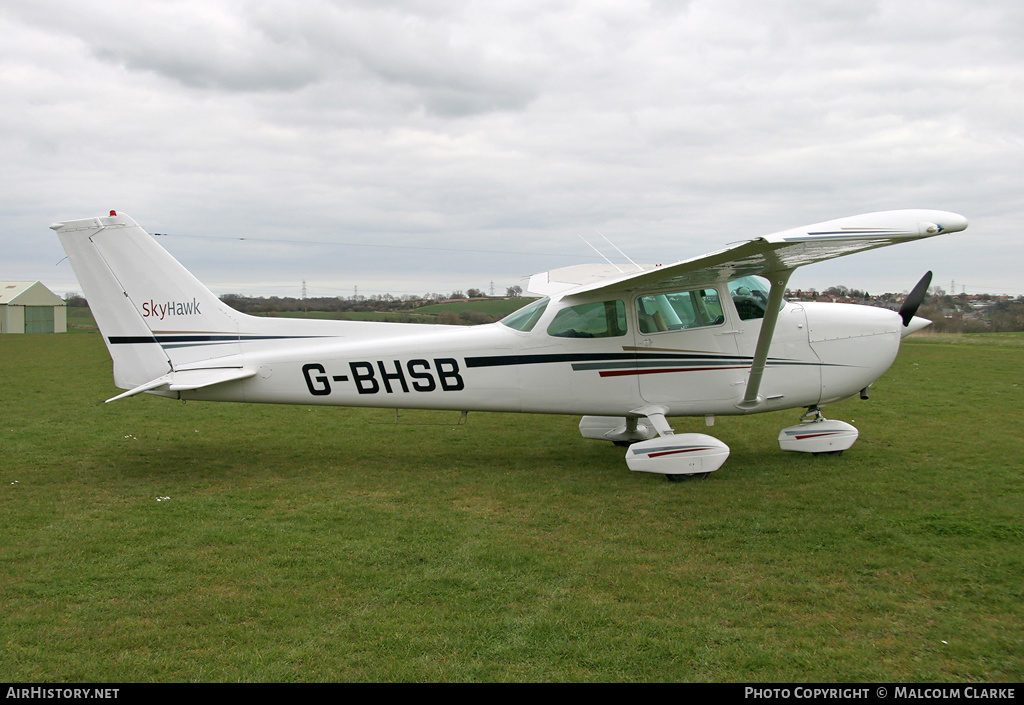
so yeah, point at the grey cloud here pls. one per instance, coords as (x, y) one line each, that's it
(196, 44)
(672, 128)
(446, 66)
(247, 70)
(435, 63)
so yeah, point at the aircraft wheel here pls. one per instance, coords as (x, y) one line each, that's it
(830, 452)
(684, 478)
(623, 444)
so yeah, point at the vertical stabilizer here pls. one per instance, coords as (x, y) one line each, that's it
(151, 311)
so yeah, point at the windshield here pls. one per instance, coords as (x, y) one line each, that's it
(526, 318)
(750, 294)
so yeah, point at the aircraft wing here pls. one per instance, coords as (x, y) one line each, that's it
(781, 251)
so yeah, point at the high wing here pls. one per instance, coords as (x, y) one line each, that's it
(780, 252)
(773, 256)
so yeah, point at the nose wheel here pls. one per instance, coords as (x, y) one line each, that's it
(684, 478)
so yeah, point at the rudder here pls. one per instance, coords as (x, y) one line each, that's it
(144, 300)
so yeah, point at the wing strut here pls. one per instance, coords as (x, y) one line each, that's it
(779, 279)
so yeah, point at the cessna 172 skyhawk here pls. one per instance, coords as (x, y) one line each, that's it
(625, 349)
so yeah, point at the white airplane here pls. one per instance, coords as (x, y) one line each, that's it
(626, 350)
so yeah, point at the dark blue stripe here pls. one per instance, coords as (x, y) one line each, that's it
(135, 339)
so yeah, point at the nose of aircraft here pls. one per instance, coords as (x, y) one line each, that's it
(916, 324)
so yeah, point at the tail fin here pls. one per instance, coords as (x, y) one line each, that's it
(153, 314)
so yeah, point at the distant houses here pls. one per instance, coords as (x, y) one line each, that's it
(29, 307)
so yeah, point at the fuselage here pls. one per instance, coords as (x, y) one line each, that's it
(687, 351)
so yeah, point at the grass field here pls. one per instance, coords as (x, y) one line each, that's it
(150, 540)
(499, 308)
(496, 308)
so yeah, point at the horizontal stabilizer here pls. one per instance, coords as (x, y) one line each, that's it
(185, 380)
(154, 384)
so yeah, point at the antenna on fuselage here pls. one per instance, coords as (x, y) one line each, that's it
(638, 267)
(601, 254)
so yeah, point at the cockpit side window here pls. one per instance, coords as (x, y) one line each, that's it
(600, 319)
(679, 310)
(750, 294)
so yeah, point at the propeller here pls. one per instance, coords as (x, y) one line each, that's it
(914, 299)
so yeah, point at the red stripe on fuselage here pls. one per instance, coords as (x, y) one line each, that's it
(622, 373)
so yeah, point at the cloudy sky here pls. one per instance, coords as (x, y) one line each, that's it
(417, 145)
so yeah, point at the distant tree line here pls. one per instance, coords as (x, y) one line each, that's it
(951, 314)
(376, 302)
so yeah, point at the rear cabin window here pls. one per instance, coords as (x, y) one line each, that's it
(601, 319)
(679, 311)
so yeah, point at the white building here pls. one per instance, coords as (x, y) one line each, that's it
(29, 307)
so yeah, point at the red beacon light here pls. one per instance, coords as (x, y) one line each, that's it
(113, 213)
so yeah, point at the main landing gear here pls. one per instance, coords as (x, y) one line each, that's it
(653, 446)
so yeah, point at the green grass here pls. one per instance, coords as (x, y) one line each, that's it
(1004, 340)
(80, 320)
(318, 544)
(499, 308)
